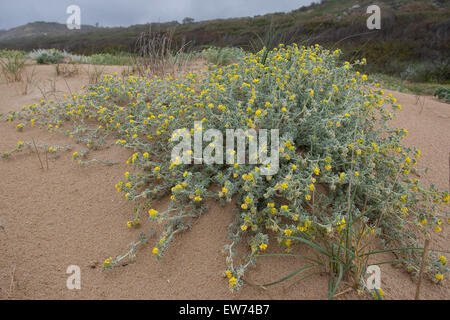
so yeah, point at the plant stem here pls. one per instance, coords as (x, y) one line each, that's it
(422, 266)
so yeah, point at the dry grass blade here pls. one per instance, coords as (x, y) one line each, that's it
(12, 283)
(37, 152)
(157, 54)
(422, 266)
(66, 70)
(27, 81)
(95, 74)
(12, 68)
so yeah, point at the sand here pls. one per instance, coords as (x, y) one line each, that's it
(72, 215)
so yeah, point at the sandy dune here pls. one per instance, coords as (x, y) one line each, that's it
(71, 215)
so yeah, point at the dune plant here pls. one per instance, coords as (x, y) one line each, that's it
(156, 53)
(12, 67)
(54, 56)
(347, 187)
(11, 53)
(443, 93)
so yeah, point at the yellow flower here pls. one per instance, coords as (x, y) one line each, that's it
(311, 187)
(157, 169)
(439, 276)
(263, 246)
(317, 171)
(198, 199)
(146, 155)
(446, 197)
(229, 274)
(308, 197)
(155, 250)
(284, 185)
(341, 225)
(107, 262)
(380, 293)
(224, 190)
(19, 144)
(232, 282)
(356, 174)
(152, 213)
(443, 260)
(129, 224)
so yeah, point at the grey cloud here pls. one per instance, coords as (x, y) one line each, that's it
(127, 12)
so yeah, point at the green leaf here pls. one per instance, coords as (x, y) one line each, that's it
(288, 276)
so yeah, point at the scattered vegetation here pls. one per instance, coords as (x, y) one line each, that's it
(67, 70)
(108, 59)
(11, 53)
(443, 93)
(54, 56)
(222, 56)
(398, 84)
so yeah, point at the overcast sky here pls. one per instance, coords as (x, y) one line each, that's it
(14, 13)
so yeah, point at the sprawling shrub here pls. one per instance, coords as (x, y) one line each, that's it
(346, 184)
(443, 93)
(54, 56)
